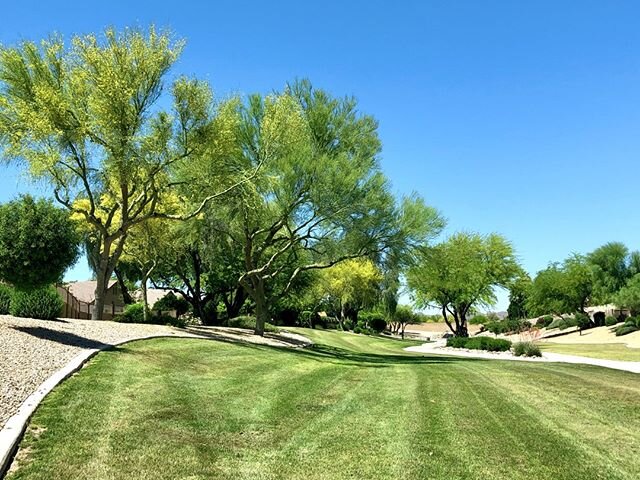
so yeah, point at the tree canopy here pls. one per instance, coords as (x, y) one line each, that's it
(85, 117)
(38, 242)
(462, 273)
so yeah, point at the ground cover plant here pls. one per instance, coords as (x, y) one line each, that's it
(354, 406)
(526, 349)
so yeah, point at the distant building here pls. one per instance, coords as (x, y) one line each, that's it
(79, 299)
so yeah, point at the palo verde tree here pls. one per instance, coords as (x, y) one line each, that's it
(461, 274)
(38, 242)
(85, 117)
(320, 198)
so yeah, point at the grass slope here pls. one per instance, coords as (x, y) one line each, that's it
(352, 407)
(609, 351)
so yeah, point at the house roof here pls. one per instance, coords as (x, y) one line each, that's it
(153, 295)
(85, 291)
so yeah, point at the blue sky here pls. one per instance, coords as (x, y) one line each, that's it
(521, 118)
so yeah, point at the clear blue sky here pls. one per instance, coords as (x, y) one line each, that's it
(521, 118)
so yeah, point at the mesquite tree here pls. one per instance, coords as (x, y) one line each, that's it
(462, 273)
(85, 117)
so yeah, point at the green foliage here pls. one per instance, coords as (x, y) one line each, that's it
(611, 265)
(629, 295)
(563, 323)
(171, 302)
(249, 322)
(38, 242)
(562, 288)
(518, 297)
(133, 313)
(479, 343)
(507, 326)
(478, 320)
(44, 303)
(462, 273)
(630, 326)
(545, 321)
(583, 321)
(6, 294)
(377, 324)
(610, 321)
(526, 349)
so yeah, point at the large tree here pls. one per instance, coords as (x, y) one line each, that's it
(38, 242)
(320, 198)
(564, 288)
(461, 274)
(518, 296)
(86, 118)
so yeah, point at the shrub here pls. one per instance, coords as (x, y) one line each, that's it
(480, 343)
(545, 321)
(610, 321)
(378, 324)
(583, 321)
(625, 329)
(347, 325)
(562, 323)
(6, 293)
(171, 302)
(507, 326)
(249, 322)
(43, 303)
(133, 313)
(526, 349)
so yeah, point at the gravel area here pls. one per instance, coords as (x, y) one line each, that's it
(32, 350)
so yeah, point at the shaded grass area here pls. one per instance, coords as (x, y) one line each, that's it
(609, 351)
(351, 407)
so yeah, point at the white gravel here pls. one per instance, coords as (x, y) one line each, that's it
(32, 350)
(440, 348)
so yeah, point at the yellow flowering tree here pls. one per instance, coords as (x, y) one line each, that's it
(85, 117)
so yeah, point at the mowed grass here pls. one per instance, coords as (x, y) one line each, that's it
(609, 351)
(352, 407)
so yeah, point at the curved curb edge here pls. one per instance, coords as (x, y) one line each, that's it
(13, 430)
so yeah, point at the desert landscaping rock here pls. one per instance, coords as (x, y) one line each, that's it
(33, 350)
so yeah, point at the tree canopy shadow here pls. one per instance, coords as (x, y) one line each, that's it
(65, 338)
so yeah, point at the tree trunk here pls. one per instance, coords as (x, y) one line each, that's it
(126, 296)
(145, 299)
(103, 274)
(462, 327)
(262, 310)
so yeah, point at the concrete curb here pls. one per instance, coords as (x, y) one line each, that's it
(13, 430)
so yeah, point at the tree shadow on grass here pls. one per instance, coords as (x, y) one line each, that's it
(65, 338)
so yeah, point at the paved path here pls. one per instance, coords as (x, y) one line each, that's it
(439, 348)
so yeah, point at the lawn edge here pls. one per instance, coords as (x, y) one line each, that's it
(13, 431)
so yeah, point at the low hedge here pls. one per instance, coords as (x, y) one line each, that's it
(480, 343)
(631, 324)
(43, 303)
(562, 323)
(610, 321)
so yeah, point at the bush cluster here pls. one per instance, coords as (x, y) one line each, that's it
(526, 349)
(43, 303)
(631, 324)
(171, 302)
(545, 321)
(479, 343)
(610, 321)
(134, 313)
(562, 323)
(249, 322)
(6, 292)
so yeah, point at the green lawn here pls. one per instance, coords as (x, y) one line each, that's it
(353, 407)
(609, 351)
